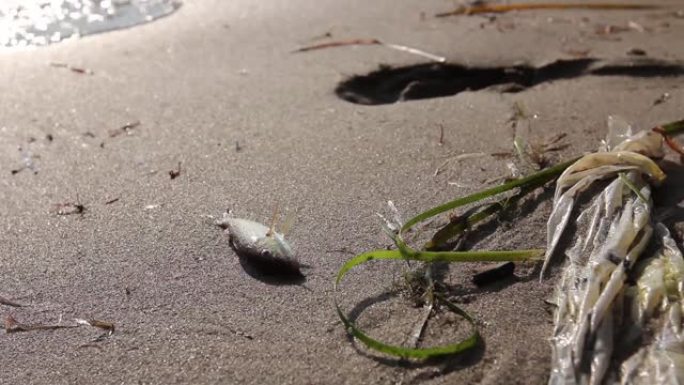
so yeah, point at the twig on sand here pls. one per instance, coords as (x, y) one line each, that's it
(502, 8)
(108, 327)
(78, 70)
(13, 326)
(673, 144)
(415, 51)
(9, 302)
(69, 208)
(175, 173)
(398, 47)
(419, 328)
(339, 43)
(125, 129)
(429, 295)
(457, 158)
(665, 96)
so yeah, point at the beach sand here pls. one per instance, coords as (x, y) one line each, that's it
(216, 87)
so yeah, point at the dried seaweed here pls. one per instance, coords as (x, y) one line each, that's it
(502, 8)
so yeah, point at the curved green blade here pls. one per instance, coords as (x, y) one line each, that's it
(424, 353)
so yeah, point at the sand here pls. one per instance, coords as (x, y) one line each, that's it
(217, 76)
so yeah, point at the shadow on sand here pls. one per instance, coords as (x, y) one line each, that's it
(432, 80)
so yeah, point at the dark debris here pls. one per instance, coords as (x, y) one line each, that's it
(175, 173)
(125, 129)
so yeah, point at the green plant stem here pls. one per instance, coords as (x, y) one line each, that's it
(631, 186)
(527, 184)
(542, 176)
(674, 128)
(454, 228)
(425, 256)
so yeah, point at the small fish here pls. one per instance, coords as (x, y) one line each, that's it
(261, 246)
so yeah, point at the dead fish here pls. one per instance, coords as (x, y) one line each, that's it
(261, 247)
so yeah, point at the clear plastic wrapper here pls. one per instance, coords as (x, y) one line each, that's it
(622, 282)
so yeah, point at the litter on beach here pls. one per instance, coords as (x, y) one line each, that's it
(623, 274)
(603, 262)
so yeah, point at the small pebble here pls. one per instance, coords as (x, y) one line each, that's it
(636, 52)
(493, 275)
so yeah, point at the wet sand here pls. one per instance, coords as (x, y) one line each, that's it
(216, 87)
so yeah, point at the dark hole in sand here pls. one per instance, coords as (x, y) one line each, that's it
(432, 80)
